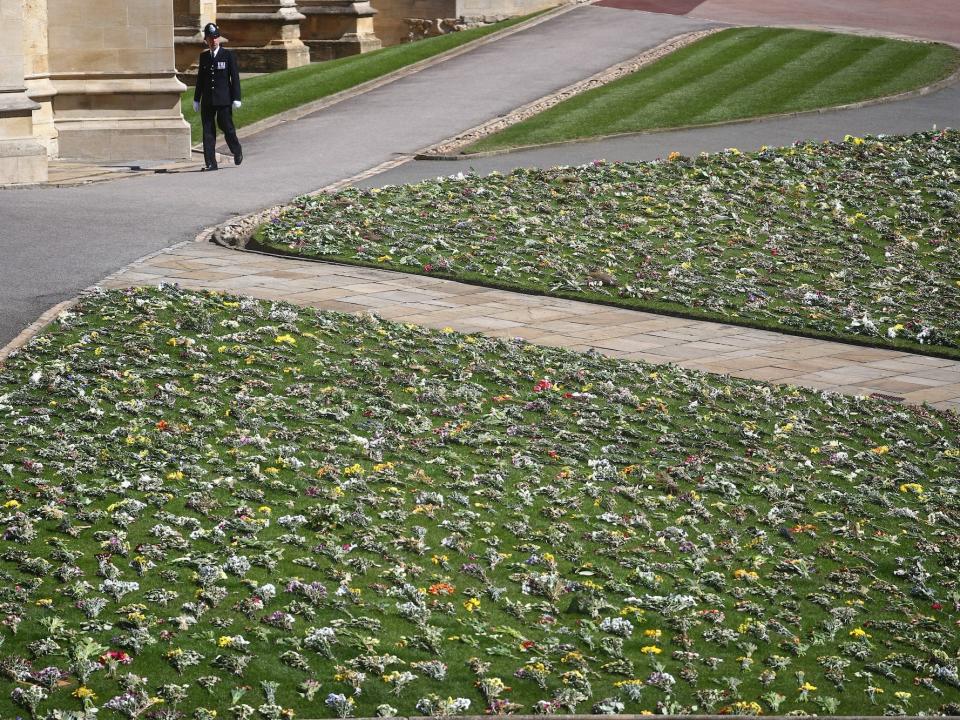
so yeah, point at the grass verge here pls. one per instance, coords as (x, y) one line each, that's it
(271, 94)
(215, 504)
(736, 74)
(846, 241)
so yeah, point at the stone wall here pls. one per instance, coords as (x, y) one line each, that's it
(390, 24)
(405, 20)
(475, 9)
(22, 158)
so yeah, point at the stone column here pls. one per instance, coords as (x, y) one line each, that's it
(22, 158)
(111, 63)
(265, 34)
(337, 28)
(189, 17)
(37, 72)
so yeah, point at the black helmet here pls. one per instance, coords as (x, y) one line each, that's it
(211, 30)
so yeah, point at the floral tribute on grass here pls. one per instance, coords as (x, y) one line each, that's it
(855, 240)
(214, 506)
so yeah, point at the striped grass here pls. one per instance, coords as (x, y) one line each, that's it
(736, 74)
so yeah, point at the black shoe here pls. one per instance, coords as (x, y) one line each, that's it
(238, 157)
(209, 168)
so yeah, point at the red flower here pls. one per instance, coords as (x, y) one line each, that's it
(542, 385)
(936, 606)
(118, 656)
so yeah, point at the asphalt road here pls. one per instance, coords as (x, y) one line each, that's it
(56, 241)
(936, 110)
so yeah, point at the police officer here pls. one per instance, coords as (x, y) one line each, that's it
(216, 95)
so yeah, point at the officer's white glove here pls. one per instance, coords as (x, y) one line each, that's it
(196, 106)
(236, 104)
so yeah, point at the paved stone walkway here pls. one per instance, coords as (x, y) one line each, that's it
(629, 334)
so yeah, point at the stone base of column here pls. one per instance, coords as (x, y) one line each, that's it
(23, 160)
(265, 34)
(337, 28)
(41, 91)
(279, 56)
(344, 46)
(109, 119)
(117, 140)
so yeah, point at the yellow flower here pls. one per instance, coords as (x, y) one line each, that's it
(650, 650)
(655, 634)
(903, 694)
(285, 339)
(860, 633)
(45, 602)
(11, 504)
(175, 475)
(880, 450)
(84, 693)
(225, 641)
(265, 509)
(807, 687)
(911, 487)
(472, 604)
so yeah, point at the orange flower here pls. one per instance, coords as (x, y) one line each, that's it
(441, 588)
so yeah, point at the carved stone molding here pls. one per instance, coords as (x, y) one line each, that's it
(265, 35)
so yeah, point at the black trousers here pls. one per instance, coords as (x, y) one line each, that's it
(210, 117)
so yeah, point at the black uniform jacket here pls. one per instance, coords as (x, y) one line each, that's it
(218, 79)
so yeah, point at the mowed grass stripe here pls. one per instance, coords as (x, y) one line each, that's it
(881, 70)
(736, 74)
(713, 81)
(738, 79)
(779, 87)
(679, 72)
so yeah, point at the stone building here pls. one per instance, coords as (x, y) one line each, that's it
(97, 80)
(89, 80)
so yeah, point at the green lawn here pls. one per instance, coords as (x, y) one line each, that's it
(274, 93)
(738, 73)
(852, 241)
(215, 504)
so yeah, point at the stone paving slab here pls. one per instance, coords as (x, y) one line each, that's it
(635, 335)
